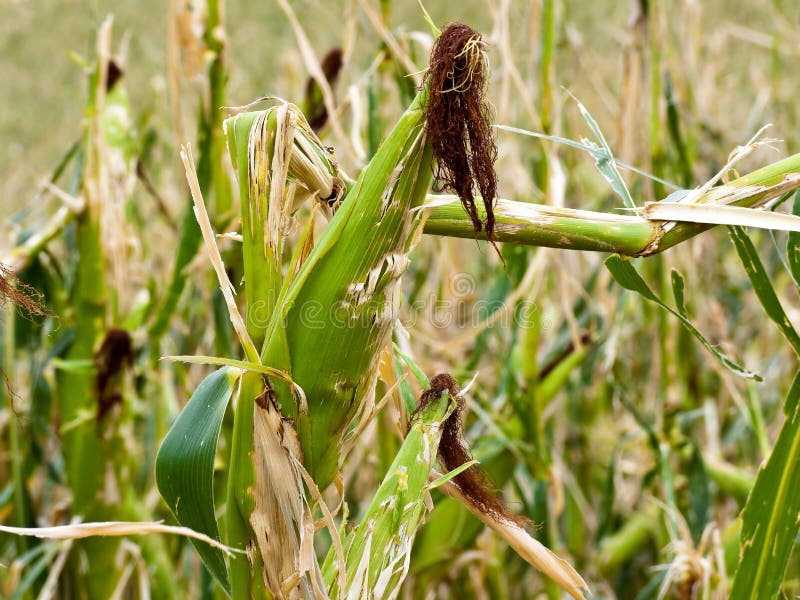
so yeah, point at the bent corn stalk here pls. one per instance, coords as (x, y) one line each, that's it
(627, 235)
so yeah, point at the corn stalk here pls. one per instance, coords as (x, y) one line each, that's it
(96, 443)
(572, 229)
(211, 168)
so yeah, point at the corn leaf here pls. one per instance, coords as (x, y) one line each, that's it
(416, 371)
(770, 523)
(793, 245)
(185, 464)
(762, 286)
(678, 289)
(378, 553)
(604, 159)
(626, 275)
(725, 215)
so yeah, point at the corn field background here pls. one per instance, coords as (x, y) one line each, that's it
(265, 320)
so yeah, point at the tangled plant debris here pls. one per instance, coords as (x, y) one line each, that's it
(20, 294)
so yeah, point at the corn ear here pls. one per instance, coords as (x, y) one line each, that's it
(378, 551)
(279, 163)
(351, 282)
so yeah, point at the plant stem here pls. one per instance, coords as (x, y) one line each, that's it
(619, 547)
(732, 480)
(540, 225)
(210, 172)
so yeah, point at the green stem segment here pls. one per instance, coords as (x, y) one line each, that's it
(539, 225)
(84, 453)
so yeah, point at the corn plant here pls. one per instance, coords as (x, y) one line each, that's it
(261, 466)
(306, 387)
(307, 405)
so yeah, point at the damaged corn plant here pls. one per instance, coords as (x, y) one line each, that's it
(320, 391)
(317, 322)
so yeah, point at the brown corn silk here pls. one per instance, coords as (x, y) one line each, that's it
(459, 121)
(453, 452)
(110, 360)
(20, 294)
(331, 65)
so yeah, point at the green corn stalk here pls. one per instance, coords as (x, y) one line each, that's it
(533, 224)
(83, 451)
(21, 506)
(541, 225)
(96, 455)
(210, 168)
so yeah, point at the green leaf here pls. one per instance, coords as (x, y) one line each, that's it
(592, 149)
(451, 474)
(185, 464)
(678, 288)
(604, 159)
(793, 245)
(626, 275)
(557, 378)
(419, 374)
(75, 365)
(769, 520)
(762, 286)
(698, 494)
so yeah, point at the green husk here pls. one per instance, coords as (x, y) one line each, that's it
(350, 278)
(377, 551)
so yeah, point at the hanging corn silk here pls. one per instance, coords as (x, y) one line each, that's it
(453, 452)
(26, 298)
(459, 121)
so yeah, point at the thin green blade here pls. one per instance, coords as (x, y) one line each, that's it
(604, 159)
(769, 520)
(626, 275)
(762, 286)
(793, 245)
(185, 464)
